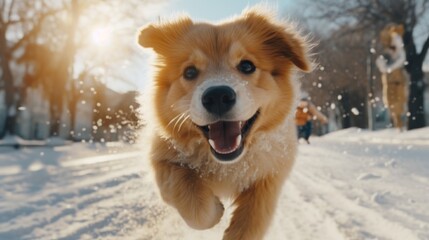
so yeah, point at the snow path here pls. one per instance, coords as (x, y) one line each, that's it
(339, 189)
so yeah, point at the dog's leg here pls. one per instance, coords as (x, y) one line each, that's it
(397, 121)
(255, 209)
(182, 188)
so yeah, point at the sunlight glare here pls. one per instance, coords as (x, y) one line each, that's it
(101, 36)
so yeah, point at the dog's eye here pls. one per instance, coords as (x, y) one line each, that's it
(190, 73)
(246, 67)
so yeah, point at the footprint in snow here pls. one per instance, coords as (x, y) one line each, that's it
(367, 176)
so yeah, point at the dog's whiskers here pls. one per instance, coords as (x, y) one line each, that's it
(183, 121)
(180, 120)
(175, 119)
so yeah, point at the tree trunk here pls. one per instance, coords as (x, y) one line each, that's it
(65, 74)
(72, 105)
(416, 109)
(11, 111)
(416, 118)
(345, 110)
(9, 88)
(55, 117)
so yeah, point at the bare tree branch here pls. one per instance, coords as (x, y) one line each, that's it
(35, 30)
(2, 6)
(424, 51)
(363, 20)
(11, 5)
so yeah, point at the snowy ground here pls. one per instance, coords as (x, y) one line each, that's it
(349, 184)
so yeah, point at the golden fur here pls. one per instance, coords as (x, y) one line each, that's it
(395, 79)
(189, 177)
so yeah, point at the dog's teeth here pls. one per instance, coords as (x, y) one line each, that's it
(212, 143)
(238, 140)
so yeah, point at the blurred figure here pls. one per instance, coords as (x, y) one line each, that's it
(393, 75)
(305, 113)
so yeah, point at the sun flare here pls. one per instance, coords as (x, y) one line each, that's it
(101, 36)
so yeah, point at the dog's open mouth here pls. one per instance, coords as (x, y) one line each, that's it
(226, 138)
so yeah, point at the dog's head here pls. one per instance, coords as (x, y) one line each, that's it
(224, 83)
(389, 33)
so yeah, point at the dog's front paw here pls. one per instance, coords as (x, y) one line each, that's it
(203, 214)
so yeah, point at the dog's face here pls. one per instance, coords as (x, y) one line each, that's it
(224, 83)
(388, 34)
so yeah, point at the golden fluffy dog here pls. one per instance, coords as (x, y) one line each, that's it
(224, 100)
(393, 75)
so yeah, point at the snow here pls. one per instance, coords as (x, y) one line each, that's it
(349, 184)
(17, 142)
(355, 111)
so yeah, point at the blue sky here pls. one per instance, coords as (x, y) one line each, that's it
(216, 10)
(213, 11)
(199, 10)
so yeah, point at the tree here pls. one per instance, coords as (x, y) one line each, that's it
(369, 17)
(84, 19)
(64, 69)
(54, 36)
(338, 83)
(14, 18)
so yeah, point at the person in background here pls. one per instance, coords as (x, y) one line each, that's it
(393, 75)
(306, 112)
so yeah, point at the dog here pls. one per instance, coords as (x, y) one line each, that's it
(393, 76)
(224, 97)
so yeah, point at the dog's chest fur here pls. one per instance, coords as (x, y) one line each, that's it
(270, 153)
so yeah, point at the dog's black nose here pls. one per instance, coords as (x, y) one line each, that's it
(218, 100)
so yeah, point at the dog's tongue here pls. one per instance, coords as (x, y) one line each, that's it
(225, 137)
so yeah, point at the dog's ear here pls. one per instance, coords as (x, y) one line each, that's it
(279, 40)
(399, 29)
(161, 36)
